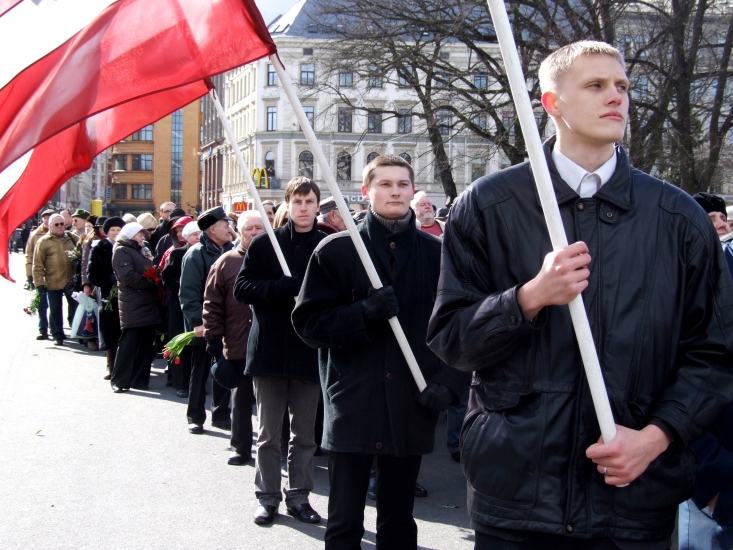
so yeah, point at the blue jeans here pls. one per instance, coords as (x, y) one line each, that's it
(43, 314)
(699, 531)
(454, 423)
(56, 313)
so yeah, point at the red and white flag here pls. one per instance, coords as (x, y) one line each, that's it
(79, 75)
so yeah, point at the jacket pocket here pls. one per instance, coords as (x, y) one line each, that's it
(503, 439)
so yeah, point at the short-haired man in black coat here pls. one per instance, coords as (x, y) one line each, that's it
(371, 401)
(283, 368)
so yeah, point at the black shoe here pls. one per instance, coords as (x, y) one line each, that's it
(222, 424)
(117, 389)
(58, 342)
(42, 336)
(304, 512)
(420, 491)
(456, 456)
(182, 394)
(196, 429)
(265, 514)
(144, 388)
(235, 459)
(372, 492)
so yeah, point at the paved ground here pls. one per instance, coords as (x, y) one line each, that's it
(81, 467)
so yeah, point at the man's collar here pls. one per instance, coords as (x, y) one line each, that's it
(572, 173)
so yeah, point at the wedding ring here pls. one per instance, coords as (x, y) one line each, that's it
(605, 470)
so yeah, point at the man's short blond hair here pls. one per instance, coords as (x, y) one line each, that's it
(555, 65)
(367, 174)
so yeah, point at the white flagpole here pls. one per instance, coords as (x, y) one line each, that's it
(251, 184)
(345, 214)
(552, 212)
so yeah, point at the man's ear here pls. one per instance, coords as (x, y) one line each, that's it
(364, 191)
(549, 103)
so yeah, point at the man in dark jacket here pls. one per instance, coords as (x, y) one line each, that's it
(284, 369)
(372, 405)
(660, 304)
(226, 329)
(166, 209)
(214, 241)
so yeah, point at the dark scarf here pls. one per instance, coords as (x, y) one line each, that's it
(393, 226)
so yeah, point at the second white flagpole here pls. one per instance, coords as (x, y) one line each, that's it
(345, 214)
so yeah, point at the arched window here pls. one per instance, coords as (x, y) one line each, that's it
(343, 167)
(270, 164)
(478, 168)
(407, 158)
(371, 157)
(305, 164)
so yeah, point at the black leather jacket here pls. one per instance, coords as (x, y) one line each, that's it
(660, 305)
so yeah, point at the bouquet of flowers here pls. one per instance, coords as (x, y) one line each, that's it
(175, 346)
(73, 255)
(32, 308)
(112, 295)
(152, 275)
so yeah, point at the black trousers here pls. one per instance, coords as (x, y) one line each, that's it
(348, 474)
(134, 357)
(243, 397)
(181, 373)
(200, 369)
(548, 541)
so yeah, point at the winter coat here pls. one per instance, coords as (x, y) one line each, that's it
(30, 248)
(99, 271)
(52, 266)
(194, 270)
(273, 349)
(224, 317)
(137, 295)
(171, 277)
(369, 391)
(660, 306)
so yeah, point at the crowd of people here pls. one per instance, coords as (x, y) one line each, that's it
(480, 295)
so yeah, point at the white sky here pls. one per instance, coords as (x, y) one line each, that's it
(272, 8)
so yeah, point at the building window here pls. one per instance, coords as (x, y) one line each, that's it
(309, 114)
(308, 51)
(481, 80)
(346, 78)
(478, 168)
(508, 122)
(442, 120)
(505, 162)
(121, 191)
(374, 122)
(343, 167)
(142, 192)
(307, 74)
(144, 134)
(270, 165)
(441, 79)
(371, 157)
(375, 77)
(403, 80)
(177, 156)
(142, 162)
(271, 75)
(120, 162)
(407, 158)
(480, 121)
(344, 117)
(271, 119)
(404, 121)
(305, 164)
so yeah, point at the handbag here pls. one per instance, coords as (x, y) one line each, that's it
(85, 324)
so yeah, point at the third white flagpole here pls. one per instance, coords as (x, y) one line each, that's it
(345, 214)
(552, 212)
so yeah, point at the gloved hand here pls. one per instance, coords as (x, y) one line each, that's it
(436, 397)
(381, 304)
(42, 289)
(288, 287)
(215, 348)
(30, 282)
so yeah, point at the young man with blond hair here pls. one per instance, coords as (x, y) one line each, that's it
(371, 402)
(659, 300)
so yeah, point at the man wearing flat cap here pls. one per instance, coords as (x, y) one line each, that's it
(79, 222)
(197, 262)
(715, 207)
(29, 249)
(329, 219)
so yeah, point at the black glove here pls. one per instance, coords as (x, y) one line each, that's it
(436, 397)
(215, 348)
(288, 287)
(381, 304)
(41, 289)
(29, 283)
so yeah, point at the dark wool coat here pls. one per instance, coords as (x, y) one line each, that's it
(171, 277)
(368, 390)
(224, 317)
(101, 275)
(273, 349)
(137, 295)
(660, 305)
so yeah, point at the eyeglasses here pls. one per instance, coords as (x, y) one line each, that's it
(59, 224)
(166, 211)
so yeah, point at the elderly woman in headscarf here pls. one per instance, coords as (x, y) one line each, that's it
(139, 316)
(101, 275)
(171, 275)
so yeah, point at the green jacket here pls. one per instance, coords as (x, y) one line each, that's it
(51, 265)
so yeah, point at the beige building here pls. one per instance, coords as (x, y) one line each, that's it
(158, 163)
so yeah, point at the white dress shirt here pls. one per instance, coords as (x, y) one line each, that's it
(586, 184)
